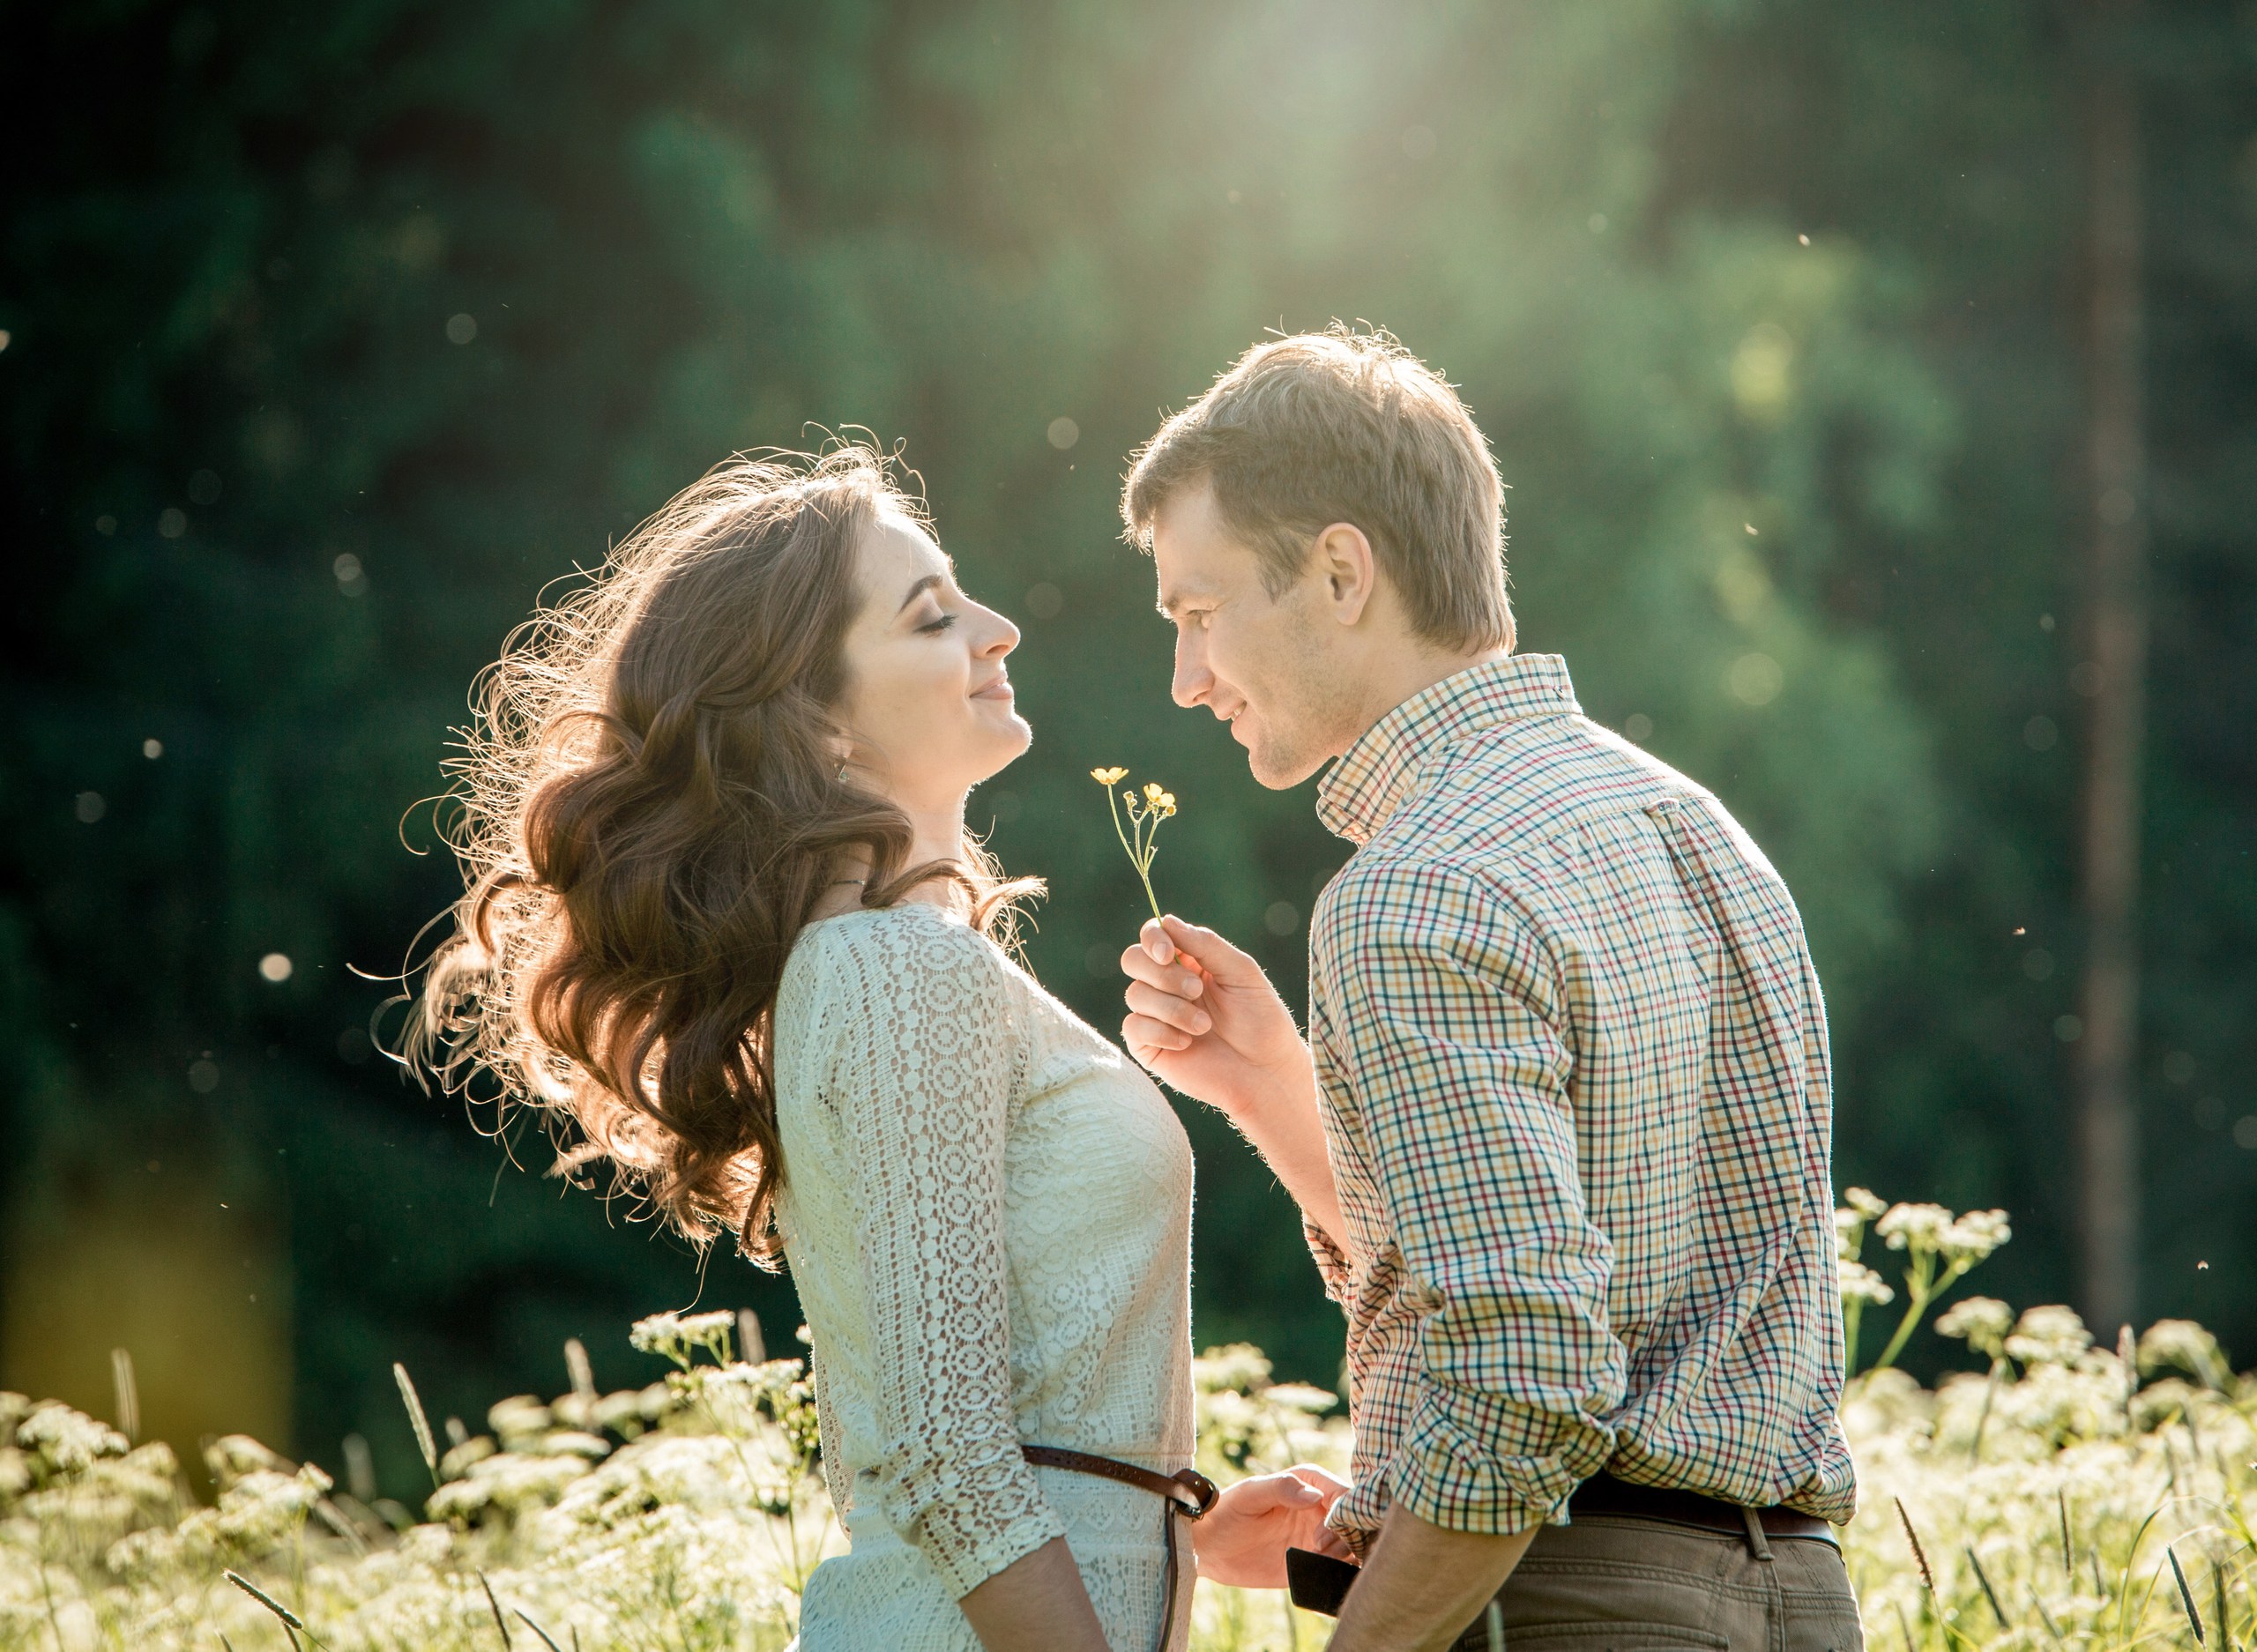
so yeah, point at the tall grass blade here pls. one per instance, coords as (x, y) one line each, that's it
(129, 1395)
(2068, 1553)
(2217, 1605)
(1989, 1593)
(500, 1622)
(291, 1622)
(417, 1420)
(1927, 1577)
(547, 1639)
(2186, 1597)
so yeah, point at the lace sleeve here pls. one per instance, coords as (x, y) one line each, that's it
(923, 1081)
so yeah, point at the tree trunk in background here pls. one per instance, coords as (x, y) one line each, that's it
(2111, 675)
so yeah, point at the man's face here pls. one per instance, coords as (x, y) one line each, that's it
(1270, 667)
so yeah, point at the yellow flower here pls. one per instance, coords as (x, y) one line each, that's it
(1146, 811)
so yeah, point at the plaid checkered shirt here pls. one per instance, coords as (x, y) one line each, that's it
(1576, 1092)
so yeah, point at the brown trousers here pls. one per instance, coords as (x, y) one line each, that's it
(1618, 1583)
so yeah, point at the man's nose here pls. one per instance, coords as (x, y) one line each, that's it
(1193, 679)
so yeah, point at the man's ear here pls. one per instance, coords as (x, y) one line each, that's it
(1344, 560)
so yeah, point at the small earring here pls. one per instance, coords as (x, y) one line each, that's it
(842, 772)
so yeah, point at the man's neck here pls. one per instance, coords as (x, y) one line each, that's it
(1407, 677)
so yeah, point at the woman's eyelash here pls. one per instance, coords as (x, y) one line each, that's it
(941, 624)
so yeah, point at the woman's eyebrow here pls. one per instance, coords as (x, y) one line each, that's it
(918, 589)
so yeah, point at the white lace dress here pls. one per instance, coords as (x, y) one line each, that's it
(987, 1209)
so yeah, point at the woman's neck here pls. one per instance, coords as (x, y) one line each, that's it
(937, 834)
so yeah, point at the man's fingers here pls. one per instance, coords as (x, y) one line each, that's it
(1154, 938)
(1169, 978)
(1207, 950)
(1152, 1003)
(1147, 1038)
(1319, 1479)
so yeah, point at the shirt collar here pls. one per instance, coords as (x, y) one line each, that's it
(1377, 775)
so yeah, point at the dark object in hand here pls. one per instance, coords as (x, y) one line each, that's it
(1318, 1582)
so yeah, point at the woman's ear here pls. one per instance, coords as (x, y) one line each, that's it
(1344, 557)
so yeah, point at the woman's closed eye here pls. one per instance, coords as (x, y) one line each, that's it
(936, 625)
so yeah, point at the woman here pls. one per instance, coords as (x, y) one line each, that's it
(723, 915)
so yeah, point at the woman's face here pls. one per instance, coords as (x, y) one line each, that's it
(927, 705)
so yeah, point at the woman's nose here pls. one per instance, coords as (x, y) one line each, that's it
(1004, 638)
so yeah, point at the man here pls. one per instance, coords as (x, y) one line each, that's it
(1561, 1128)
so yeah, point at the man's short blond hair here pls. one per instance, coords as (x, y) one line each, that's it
(1341, 425)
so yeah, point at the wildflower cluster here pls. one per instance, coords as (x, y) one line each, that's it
(687, 1512)
(1140, 839)
(2063, 1495)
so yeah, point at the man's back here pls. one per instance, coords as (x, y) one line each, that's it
(1573, 1061)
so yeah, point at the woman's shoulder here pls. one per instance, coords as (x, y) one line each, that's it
(877, 951)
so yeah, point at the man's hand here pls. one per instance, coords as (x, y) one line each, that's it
(1243, 1539)
(1202, 1016)
(1422, 1584)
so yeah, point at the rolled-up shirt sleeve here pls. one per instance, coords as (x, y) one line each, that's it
(924, 1079)
(1457, 1075)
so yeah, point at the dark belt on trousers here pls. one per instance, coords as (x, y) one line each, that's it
(1186, 1494)
(1604, 1494)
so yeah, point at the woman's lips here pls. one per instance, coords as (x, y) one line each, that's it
(999, 689)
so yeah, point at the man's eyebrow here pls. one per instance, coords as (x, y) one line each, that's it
(918, 589)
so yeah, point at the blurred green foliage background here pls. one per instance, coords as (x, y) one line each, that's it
(336, 333)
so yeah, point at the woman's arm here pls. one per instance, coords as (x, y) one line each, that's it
(924, 1079)
(1034, 1604)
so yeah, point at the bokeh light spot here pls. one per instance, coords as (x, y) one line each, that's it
(1755, 679)
(1064, 433)
(276, 967)
(461, 329)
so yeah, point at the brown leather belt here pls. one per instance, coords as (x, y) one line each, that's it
(1186, 1494)
(1604, 1494)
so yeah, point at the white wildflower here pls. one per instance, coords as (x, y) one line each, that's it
(1917, 1227)
(1867, 1204)
(1236, 1365)
(2187, 1346)
(1981, 1322)
(67, 1441)
(2048, 1336)
(1859, 1282)
(1971, 1238)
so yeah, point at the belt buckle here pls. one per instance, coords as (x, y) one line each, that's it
(1201, 1491)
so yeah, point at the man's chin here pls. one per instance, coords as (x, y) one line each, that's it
(1278, 770)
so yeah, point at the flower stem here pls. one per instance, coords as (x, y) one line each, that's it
(1136, 859)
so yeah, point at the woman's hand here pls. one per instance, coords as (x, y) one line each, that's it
(1244, 1537)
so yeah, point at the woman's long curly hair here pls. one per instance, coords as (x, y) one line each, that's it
(651, 805)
